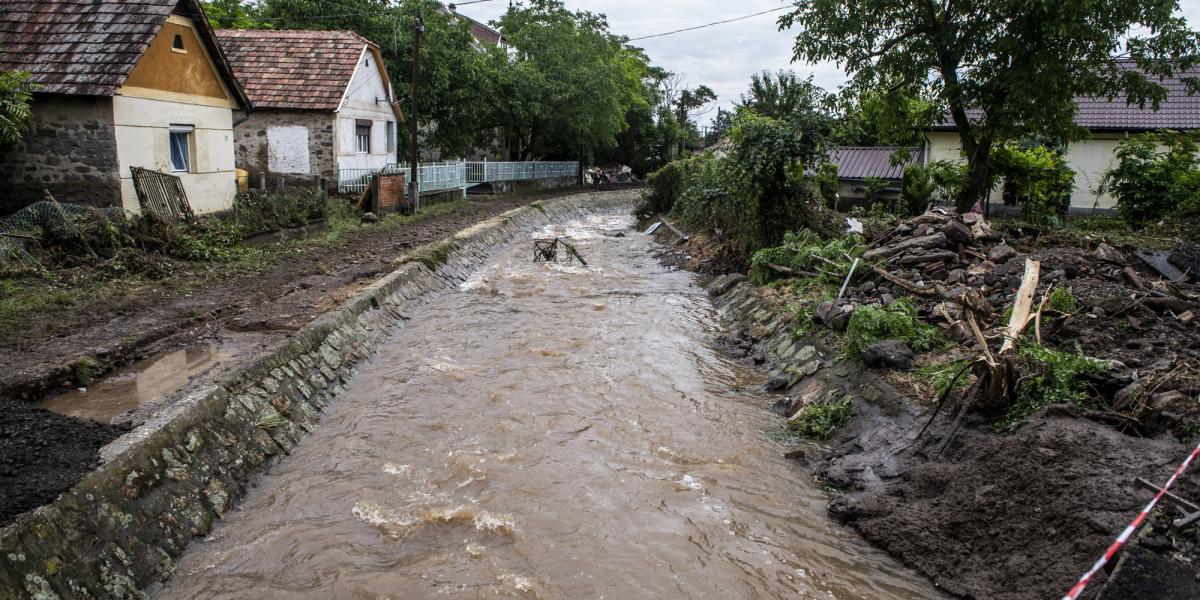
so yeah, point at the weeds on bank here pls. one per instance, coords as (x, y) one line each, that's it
(805, 252)
(818, 420)
(1052, 377)
(896, 321)
(941, 376)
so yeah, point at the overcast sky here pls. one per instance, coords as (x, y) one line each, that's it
(722, 57)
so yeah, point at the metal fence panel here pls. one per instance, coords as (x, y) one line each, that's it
(454, 175)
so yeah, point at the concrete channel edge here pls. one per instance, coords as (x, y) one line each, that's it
(120, 530)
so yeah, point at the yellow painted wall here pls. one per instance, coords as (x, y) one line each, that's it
(189, 72)
(142, 131)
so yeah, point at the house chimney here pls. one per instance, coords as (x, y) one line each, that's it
(453, 8)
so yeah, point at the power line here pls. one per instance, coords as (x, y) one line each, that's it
(741, 18)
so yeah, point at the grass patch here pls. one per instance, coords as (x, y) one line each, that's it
(805, 251)
(896, 321)
(941, 376)
(1052, 377)
(818, 420)
(84, 371)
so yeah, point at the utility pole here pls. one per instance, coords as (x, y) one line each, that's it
(414, 155)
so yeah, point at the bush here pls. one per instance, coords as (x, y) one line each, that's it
(805, 251)
(1150, 184)
(819, 420)
(269, 211)
(940, 181)
(663, 187)
(1037, 178)
(1052, 377)
(896, 321)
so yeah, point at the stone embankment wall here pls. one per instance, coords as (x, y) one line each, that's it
(162, 485)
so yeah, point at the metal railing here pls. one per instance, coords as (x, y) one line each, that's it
(436, 177)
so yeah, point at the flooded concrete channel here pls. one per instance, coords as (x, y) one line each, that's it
(546, 431)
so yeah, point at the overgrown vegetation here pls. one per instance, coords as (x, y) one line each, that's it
(1150, 184)
(1051, 377)
(16, 92)
(259, 211)
(895, 321)
(939, 181)
(1037, 179)
(804, 252)
(942, 376)
(818, 420)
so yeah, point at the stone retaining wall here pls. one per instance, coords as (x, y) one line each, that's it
(123, 526)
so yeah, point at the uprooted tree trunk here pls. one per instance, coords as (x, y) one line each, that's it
(997, 375)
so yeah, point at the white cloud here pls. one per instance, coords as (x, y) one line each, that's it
(724, 56)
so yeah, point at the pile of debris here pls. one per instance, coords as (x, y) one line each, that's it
(611, 175)
(984, 292)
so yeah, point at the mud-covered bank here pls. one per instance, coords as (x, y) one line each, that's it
(1017, 515)
(121, 528)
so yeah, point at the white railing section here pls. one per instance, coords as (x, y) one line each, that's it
(435, 177)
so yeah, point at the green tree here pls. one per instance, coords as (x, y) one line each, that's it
(565, 88)
(16, 93)
(233, 14)
(882, 118)
(784, 95)
(1001, 68)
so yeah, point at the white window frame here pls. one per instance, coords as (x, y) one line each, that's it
(187, 132)
(359, 138)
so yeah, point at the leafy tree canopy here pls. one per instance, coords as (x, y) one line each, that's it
(1000, 68)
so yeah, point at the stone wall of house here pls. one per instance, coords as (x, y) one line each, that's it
(294, 145)
(69, 149)
(164, 484)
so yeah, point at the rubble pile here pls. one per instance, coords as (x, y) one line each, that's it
(1121, 308)
(613, 174)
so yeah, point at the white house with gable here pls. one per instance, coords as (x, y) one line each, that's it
(323, 103)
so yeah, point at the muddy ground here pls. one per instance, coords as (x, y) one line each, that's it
(1023, 514)
(43, 453)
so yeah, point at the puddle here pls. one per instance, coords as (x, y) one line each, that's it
(128, 388)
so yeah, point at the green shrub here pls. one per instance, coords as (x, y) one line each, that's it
(1052, 377)
(267, 211)
(1063, 301)
(939, 181)
(1150, 184)
(662, 188)
(825, 182)
(896, 321)
(208, 239)
(1038, 178)
(805, 251)
(818, 420)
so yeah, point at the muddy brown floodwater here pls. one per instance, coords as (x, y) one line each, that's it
(546, 431)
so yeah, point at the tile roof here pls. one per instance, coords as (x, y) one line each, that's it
(861, 162)
(88, 47)
(482, 32)
(294, 69)
(1179, 111)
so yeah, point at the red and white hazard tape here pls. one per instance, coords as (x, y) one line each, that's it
(1125, 535)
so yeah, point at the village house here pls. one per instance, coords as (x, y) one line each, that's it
(1107, 123)
(120, 84)
(866, 174)
(323, 103)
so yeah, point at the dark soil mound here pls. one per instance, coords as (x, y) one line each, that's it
(1010, 517)
(42, 454)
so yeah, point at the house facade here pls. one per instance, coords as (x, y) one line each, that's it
(119, 84)
(1107, 123)
(323, 103)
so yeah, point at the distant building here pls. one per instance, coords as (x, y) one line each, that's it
(483, 33)
(121, 84)
(1108, 122)
(323, 103)
(861, 166)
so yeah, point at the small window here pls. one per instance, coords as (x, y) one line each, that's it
(362, 133)
(391, 137)
(177, 44)
(181, 148)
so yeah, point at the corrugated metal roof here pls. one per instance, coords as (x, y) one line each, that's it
(1180, 111)
(862, 162)
(89, 47)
